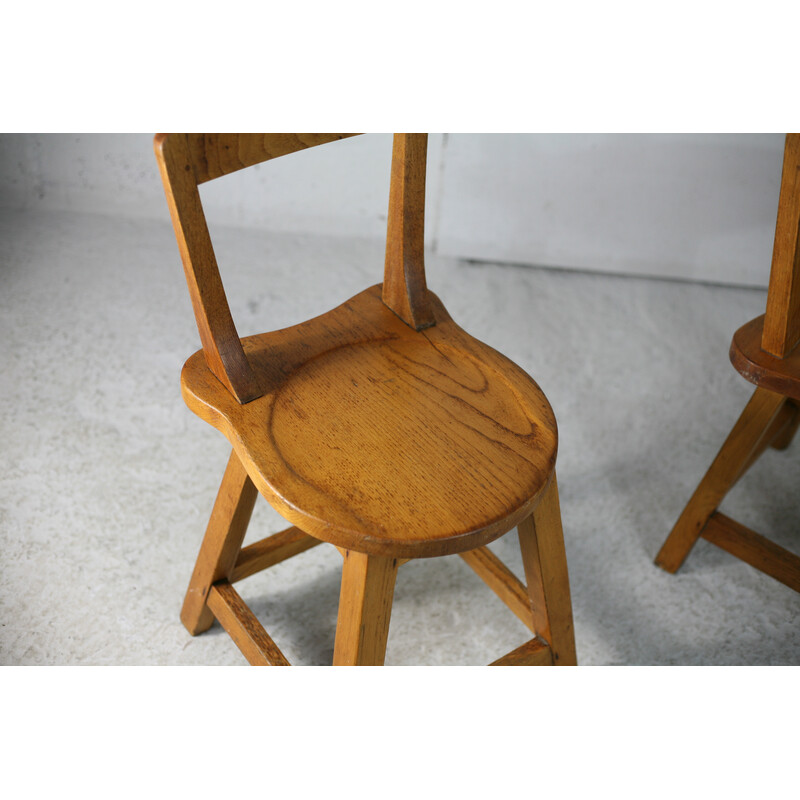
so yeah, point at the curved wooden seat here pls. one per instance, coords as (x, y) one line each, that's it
(778, 374)
(380, 427)
(379, 438)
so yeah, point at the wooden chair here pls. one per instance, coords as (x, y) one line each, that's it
(380, 427)
(765, 351)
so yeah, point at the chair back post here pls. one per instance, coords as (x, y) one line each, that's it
(404, 288)
(221, 344)
(185, 161)
(782, 321)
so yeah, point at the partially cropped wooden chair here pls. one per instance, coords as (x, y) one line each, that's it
(766, 352)
(380, 427)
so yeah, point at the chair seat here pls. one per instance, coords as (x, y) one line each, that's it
(382, 439)
(781, 375)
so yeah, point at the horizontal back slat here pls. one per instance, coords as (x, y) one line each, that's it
(217, 154)
(189, 159)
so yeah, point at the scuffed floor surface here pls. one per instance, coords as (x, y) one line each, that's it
(107, 479)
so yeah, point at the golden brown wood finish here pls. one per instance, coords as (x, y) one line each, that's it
(404, 288)
(216, 154)
(379, 438)
(754, 549)
(380, 427)
(780, 375)
(502, 581)
(221, 346)
(749, 436)
(343, 551)
(223, 540)
(535, 653)
(784, 437)
(782, 325)
(365, 607)
(270, 551)
(776, 435)
(186, 160)
(245, 630)
(541, 541)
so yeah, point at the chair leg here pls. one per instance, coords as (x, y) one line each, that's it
(365, 608)
(221, 544)
(784, 438)
(749, 438)
(541, 541)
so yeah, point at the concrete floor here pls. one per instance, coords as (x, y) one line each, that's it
(107, 479)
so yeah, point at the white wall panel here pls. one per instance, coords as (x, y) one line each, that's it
(693, 206)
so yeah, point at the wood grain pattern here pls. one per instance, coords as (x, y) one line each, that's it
(502, 581)
(776, 435)
(216, 154)
(186, 160)
(245, 630)
(754, 549)
(747, 437)
(270, 551)
(365, 607)
(380, 438)
(541, 541)
(221, 544)
(781, 375)
(405, 290)
(782, 324)
(381, 427)
(221, 346)
(534, 653)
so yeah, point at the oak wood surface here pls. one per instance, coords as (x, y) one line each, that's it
(216, 154)
(780, 375)
(405, 290)
(754, 549)
(376, 437)
(242, 626)
(270, 551)
(541, 541)
(784, 437)
(499, 578)
(221, 544)
(777, 435)
(381, 427)
(782, 326)
(221, 346)
(365, 607)
(534, 653)
(749, 436)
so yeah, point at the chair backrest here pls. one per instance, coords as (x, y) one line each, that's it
(188, 159)
(782, 321)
